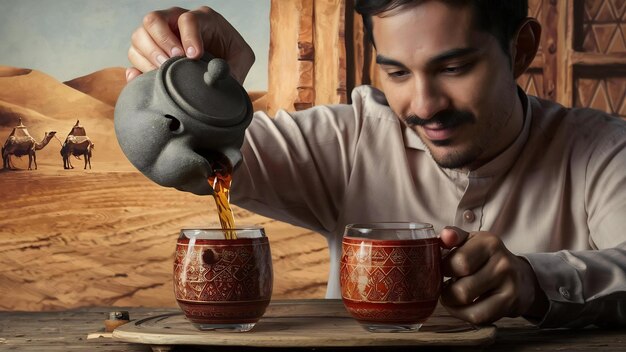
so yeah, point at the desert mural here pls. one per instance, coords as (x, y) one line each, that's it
(106, 235)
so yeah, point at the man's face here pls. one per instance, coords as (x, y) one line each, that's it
(448, 81)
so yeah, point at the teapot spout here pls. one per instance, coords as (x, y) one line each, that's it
(223, 161)
(179, 167)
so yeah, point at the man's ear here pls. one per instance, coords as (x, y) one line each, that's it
(525, 45)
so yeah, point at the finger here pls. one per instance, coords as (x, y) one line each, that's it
(483, 311)
(216, 33)
(241, 64)
(145, 46)
(452, 236)
(161, 26)
(139, 61)
(190, 35)
(466, 259)
(221, 39)
(131, 73)
(465, 290)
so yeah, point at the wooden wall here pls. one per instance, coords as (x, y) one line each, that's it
(581, 62)
(307, 54)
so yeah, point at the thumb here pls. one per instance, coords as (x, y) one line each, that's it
(452, 236)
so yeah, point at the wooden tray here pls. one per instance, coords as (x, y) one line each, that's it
(304, 323)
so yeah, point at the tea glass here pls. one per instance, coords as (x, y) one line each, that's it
(223, 284)
(390, 274)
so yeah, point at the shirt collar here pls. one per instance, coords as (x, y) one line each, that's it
(412, 140)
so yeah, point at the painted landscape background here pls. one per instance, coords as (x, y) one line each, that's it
(106, 235)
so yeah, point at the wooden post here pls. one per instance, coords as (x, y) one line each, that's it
(550, 49)
(342, 45)
(565, 50)
(305, 97)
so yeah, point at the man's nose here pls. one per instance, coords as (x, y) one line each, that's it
(428, 99)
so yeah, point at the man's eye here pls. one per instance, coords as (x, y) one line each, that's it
(397, 74)
(456, 69)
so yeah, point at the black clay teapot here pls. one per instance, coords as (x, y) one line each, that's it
(178, 123)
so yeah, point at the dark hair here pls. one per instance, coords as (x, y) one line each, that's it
(501, 18)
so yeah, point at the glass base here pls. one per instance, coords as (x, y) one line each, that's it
(374, 327)
(225, 327)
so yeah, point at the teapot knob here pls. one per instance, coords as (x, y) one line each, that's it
(217, 69)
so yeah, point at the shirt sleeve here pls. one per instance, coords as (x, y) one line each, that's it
(583, 287)
(589, 287)
(296, 166)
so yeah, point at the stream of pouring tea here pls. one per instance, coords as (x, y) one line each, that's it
(220, 181)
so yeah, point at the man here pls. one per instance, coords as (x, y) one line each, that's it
(453, 141)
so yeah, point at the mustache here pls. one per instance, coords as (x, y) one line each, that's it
(445, 119)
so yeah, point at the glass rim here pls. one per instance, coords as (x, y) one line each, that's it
(395, 225)
(229, 234)
(389, 231)
(242, 228)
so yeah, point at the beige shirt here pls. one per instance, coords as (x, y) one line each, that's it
(557, 195)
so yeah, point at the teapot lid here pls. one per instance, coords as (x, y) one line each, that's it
(205, 90)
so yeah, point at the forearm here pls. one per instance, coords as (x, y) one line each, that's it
(296, 166)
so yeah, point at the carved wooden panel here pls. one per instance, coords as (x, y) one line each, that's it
(603, 27)
(582, 57)
(598, 55)
(600, 90)
(532, 81)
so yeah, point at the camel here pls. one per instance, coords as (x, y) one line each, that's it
(77, 146)
(20, 143)
(77, 143)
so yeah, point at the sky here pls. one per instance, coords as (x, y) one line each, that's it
(72, 38)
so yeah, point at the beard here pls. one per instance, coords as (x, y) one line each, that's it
(453, 159)
(458, 159)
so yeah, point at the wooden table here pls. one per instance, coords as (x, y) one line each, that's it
(68, 331)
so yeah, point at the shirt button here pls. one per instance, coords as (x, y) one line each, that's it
(564, 292)
(469, 216)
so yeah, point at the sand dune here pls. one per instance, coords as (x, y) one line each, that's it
(8, 71)
(104, 85)
(105, 236)
(40, 92)
(11, 113)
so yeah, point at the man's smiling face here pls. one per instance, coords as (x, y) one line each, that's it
(448, 81)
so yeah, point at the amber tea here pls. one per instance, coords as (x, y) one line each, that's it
(220, 181)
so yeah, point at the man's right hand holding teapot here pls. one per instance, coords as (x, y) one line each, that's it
(174, 122)
(180, 32)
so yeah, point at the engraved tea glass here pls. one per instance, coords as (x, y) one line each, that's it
(390, 274)
(223, 284)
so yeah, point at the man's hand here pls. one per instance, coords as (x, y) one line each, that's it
(487, 281)
(178, 32)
